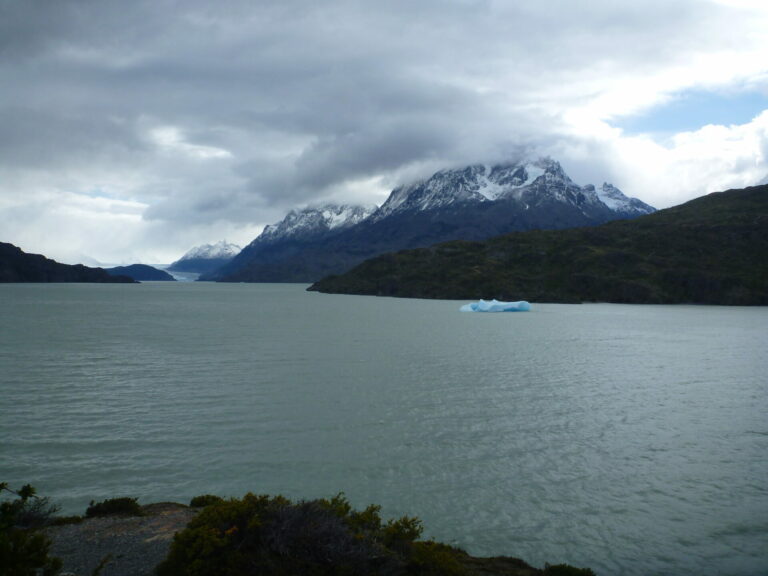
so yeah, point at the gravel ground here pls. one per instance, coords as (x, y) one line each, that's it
(122, 545)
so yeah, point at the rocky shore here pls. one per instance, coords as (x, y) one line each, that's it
(119, 545)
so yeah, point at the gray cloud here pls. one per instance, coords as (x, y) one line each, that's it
(236, 111)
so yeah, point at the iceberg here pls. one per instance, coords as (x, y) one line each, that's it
(496, 306)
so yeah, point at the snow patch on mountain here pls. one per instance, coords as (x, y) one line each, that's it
(344, 216)
(314, 220)
(612, 197)
(204, 258)
(618, 202)
(221, 249)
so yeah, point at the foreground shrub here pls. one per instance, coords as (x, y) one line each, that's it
(204, 500)
(24, 550)
(566, 570)
(436, 559)
(114, 506)
(273, 536)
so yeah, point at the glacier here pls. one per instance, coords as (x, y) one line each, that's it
(496, 306)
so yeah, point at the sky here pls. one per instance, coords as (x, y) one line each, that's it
(133, 131)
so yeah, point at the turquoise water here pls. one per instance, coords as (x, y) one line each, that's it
(631, 439)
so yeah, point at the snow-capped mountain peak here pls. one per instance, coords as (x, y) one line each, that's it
(529, 181)
(201, 259)
(221, 249)
(314, 220)
(480, 183)
(618, 202)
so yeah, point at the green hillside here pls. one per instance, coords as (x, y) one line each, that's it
(711, 250)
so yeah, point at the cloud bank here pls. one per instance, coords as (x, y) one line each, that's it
(132, 132)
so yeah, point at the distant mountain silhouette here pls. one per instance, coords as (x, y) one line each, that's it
(18, 266)
(141, 272)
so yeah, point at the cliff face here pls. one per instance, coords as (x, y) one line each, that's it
(18, 266)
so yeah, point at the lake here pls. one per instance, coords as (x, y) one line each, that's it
(630, 439)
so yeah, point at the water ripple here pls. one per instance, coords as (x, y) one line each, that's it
(626, 438)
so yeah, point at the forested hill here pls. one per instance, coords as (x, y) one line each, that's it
(141, 273)
(18, 266)
(711, 250)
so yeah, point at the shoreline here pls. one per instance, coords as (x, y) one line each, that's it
(130, 545)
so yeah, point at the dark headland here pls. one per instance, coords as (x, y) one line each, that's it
(18, 266)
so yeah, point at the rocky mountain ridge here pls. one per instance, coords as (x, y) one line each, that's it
(314, 221)
(526, 182)
(470, 203)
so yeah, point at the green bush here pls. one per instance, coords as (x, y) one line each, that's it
(436, 559)
(114, 506)
(204, 500)
(274, 536)
(24, 550)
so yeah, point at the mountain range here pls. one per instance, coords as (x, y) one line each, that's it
(711, 250)
(472, 203)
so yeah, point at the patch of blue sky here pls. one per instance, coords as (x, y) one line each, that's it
(692, 110)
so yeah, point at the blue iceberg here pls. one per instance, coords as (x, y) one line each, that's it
(496, 306)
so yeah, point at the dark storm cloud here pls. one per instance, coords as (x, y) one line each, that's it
(33, 137)
(334, 73)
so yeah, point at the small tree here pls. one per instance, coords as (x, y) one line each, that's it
(23, 549)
